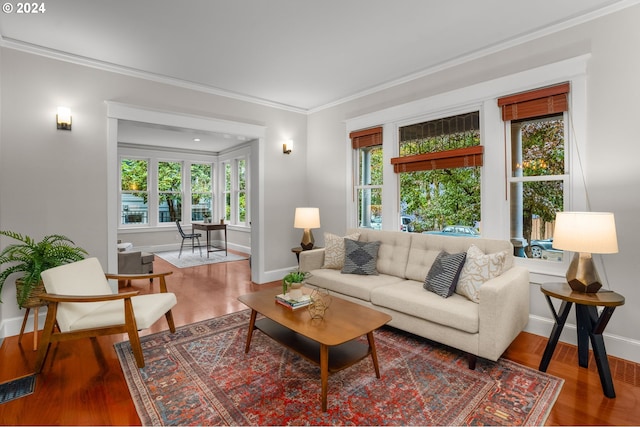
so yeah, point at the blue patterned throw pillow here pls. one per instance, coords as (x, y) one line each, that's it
(444, 273)
(360, 257)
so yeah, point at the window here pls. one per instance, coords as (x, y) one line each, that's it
(134, 196)
(235, 191)
(499, 176)
(159, 187)
(440, 169)
(201, 191)
(368, 183)
(169, 191)
(241, 195)
(538, 177)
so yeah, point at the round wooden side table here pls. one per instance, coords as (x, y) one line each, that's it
(590, 326)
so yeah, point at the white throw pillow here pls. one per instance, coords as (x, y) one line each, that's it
(334, 250)
(478, 268)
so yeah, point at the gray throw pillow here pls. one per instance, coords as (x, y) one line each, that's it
(444, 273)
(360, 257)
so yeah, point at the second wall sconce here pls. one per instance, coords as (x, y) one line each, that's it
(63, 118)
(287, 146)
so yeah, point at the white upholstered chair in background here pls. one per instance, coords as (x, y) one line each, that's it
(81, 305)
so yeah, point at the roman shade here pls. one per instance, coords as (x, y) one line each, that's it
(535, 103)
(366, 138)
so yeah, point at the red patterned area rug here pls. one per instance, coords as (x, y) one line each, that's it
(201, 376)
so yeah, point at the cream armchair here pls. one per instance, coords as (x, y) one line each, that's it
(82, 305)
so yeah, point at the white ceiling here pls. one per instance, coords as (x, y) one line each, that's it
(301, 55)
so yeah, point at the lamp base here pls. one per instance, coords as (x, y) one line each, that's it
(307, 240)
(582, 275)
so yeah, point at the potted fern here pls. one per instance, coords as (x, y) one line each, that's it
(32, 258)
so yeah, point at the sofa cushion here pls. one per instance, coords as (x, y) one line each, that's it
(478, 268)
(445, 271)
(409, 297)
(360, 257)
(394, 250)
(353, 285)
(426, 247)
(334, 249)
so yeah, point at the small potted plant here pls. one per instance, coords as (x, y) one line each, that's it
(293, 281)
(32, 258)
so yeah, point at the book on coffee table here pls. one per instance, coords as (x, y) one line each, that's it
(293, 303)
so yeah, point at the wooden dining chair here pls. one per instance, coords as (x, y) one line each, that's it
(82, 305)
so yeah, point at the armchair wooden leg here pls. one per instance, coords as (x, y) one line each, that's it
(169, 316)
(132, 331)
(47, 333)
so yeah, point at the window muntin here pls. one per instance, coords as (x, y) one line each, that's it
(442, 185)
(537, 184)
(134, 195)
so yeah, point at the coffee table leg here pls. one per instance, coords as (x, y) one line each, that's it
(252, 325)
(324, 373)
(374, 354)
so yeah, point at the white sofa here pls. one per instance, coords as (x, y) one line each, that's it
(483, 329)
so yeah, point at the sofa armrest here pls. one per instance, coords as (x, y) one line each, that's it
(311, 260)
(503, 311)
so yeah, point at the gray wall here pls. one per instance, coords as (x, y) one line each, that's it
(55, 182)
(610, 161)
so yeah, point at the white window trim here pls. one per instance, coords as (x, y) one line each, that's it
(483, 97)
(232, 157)
(154, 156)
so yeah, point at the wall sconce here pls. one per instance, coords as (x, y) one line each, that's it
(287, 146)
(63, 118)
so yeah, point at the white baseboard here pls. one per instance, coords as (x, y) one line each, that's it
(176, 246)
(622, 347)
(617, 346)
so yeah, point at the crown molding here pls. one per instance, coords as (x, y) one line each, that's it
(560, 26)
(132, 72)
(19, 45)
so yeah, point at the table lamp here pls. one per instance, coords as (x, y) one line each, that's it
(585, 233)
(307, 218)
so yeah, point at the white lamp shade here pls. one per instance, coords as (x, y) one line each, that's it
(307, 218)
(64, 115)
(589, 232)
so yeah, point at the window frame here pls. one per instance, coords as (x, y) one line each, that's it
(148, 191)
(494, 186)
(153, 156)
(565, 178)
(234, 192)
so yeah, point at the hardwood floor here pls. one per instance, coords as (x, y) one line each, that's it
(82, 382)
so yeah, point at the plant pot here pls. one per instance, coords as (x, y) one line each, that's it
(295, 290)
(32, 299)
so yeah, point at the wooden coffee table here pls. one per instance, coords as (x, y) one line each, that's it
(330, 342)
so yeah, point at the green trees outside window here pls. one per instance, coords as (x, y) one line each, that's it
(537, 184)
(134, 194)
(439, 197)
(169, 191)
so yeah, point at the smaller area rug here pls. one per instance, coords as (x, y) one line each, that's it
(17, 388)
(201, 376)
(188, 259)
